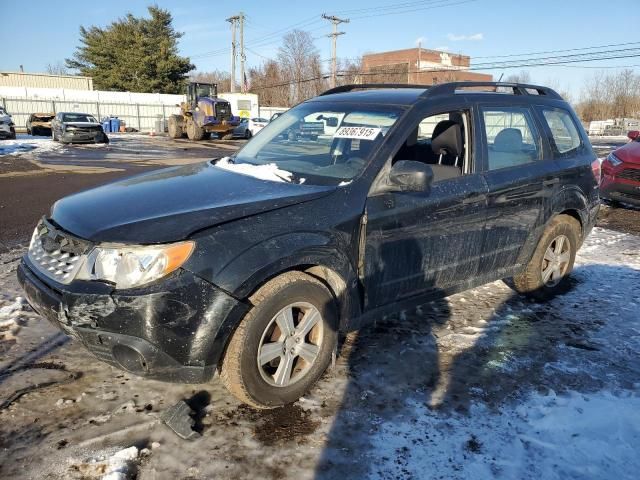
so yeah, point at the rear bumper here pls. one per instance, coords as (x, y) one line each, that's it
(173, 331)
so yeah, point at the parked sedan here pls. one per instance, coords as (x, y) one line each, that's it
(257, 124)
(39, 123)
(7, 128)
(242, 130)
(620, 181)
(74, 127)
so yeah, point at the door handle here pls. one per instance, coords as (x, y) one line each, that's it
(550, 182)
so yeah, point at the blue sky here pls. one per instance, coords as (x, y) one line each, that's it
(479, 28)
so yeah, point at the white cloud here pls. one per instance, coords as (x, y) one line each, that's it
(470, 38)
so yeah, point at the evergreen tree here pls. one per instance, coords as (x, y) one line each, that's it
(133, 54)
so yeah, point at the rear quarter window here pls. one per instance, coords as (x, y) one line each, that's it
(564, 132)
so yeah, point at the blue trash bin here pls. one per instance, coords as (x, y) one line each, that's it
(106, 126)
(115, 124)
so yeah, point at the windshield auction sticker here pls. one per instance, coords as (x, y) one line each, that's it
(360, 133)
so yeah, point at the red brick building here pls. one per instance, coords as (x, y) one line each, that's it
(419, 65)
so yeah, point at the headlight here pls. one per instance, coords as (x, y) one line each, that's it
(69, 128)
(613, 160)
(134, 266)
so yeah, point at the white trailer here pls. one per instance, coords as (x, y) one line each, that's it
(244, 105)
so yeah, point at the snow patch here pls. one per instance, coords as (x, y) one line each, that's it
(269, 172)
(545, 436)
(24, 144)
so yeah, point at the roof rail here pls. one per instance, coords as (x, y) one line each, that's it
(449, 88)
(518, 88)
(370, 86)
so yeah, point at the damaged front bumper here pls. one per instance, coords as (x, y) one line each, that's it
(173, 330)
(79, 136)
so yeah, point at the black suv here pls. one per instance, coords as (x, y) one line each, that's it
(251, 265)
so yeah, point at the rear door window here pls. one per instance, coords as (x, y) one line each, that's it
(511, 137)
(563, 130)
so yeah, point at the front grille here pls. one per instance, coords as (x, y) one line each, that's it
(630, 174)
(223, 111)
(55, 253)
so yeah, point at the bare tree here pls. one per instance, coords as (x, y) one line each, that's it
(222, 78)
(350, 71)
(299, 61)
(522, 77)
(610, 96)
(57, 68)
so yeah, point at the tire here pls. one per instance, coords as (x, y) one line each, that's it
(247, 134)
(29, 132)
(206, 136)
(175, 127)
(271, 385)
(194, 132)
(560, 240)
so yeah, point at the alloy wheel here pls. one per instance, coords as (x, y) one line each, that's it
(555, 262)
(290, 344)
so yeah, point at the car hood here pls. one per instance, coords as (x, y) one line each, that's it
(170, 204)
(629, 153)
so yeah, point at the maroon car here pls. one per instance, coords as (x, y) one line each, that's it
(620, 181)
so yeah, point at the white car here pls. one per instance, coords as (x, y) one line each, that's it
(7, 127)
(257, 124)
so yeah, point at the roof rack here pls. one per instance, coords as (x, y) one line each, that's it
(450, 88)
(518, 88)
(370, 86)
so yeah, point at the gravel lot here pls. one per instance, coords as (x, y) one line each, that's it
(484, 384)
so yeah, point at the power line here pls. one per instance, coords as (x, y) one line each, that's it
(527, 63)
(560, 51)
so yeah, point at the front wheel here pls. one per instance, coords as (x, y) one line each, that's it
(546, 273)
(284, 344)
(247, 134)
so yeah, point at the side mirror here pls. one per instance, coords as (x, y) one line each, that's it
(410, 176)
(633, 134)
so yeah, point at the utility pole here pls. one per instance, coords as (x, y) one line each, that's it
(243, 57)
(336, 21)
(232, 21)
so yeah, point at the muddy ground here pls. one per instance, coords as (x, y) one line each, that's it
(484, 384)
(420, 389)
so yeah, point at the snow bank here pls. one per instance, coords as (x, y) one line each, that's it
(545, 436)
(25, 143)
(269, 171)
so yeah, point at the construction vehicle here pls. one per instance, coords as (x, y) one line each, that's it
(203, 114)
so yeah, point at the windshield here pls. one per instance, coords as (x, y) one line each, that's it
(204, 90)
(78, 117)
(321, 143)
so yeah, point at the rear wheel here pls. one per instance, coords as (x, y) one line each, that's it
(546, 273)
(175, 127)
(247, 134)
(284, 344)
